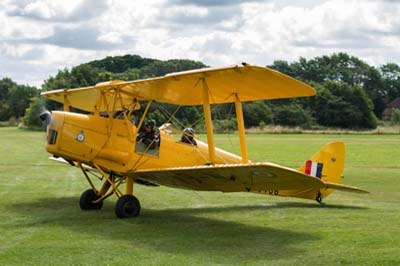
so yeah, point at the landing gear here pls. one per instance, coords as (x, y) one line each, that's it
(319, 198)
(127, 206)
(87, 201)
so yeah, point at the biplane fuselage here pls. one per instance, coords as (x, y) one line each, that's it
(111, 144)
(105, 140)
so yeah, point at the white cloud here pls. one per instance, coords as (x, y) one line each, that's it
(39, 9)
(127, 17)
(45, 9)
(333, 26)
(15, 28)
(111, 37)
(187, 12)
(40, 37)
(12, 51)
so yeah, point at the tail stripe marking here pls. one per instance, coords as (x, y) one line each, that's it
(308, 167)
(314, 168)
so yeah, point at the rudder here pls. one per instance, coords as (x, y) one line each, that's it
(327, 164)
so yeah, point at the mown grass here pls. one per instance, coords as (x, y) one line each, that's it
(41, 223)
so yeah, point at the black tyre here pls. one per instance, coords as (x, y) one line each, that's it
(86, 201)
(127, 206)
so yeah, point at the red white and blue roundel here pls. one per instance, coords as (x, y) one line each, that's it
(314, 169)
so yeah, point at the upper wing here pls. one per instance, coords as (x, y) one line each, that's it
(250, 83)
(232, 177)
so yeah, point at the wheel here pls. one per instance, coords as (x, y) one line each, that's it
(127, 206)
(86, 201)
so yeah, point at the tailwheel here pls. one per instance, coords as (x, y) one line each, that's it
(86, 202)
(127, 206)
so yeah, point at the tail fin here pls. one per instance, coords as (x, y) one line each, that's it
(328, 165)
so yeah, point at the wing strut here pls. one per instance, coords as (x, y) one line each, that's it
(242, 134)
(208, 120)
(144, 114)
(66, 103)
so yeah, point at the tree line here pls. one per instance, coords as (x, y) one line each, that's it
(14, 99)
(350, 93)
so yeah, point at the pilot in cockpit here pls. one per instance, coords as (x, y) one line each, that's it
(150, 135)
(188, 136)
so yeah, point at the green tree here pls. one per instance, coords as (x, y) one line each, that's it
(395, 119)
(341, 105)
(19, 98)
(255, 112)
(262, 125)
(80, 76)
(145, 67)
(85, 75)
(130, 74)
(32, 113)
(291, 115)
(342, 68)
(284, 67)
(159, 68)
(6, 84)
(62, 80)
(121, 64)
(390, 73)
(224, 125)
(14, 99)
(334, 107)
(373, 85)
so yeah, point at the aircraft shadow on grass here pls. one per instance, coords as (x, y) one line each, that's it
(184, 230)
(283, 205)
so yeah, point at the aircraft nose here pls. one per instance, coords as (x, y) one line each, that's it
(45, 116)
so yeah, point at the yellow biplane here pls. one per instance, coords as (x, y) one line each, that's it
(104, 140)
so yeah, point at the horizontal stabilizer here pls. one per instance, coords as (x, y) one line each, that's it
(345, 187)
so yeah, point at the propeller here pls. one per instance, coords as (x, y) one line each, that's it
(45, 116)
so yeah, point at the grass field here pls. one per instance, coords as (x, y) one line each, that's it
(41, 223)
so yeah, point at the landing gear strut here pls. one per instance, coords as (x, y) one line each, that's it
(319, 198)
(127, 204)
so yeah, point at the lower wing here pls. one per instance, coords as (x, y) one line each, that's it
(236, 178)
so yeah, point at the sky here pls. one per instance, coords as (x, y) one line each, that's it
(40, 37)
